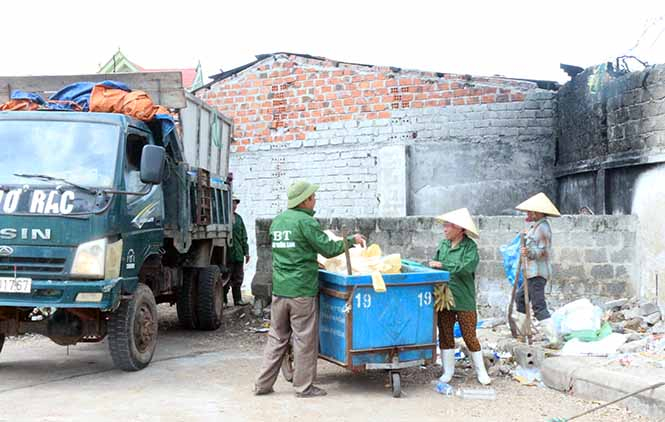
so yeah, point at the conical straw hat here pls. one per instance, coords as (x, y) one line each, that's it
(539, 203)
(460, 217)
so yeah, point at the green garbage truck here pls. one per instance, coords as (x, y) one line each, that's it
(103, 216)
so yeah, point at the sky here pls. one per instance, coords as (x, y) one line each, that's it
(520, 39)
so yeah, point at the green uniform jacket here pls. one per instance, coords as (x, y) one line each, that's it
(296, 239)
(239, 248)
(461, 262)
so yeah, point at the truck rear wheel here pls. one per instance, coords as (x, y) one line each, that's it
(210, 298)
(133, 331)
(187, 299)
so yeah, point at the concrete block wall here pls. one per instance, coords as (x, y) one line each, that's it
(636, 112)
(594, 256)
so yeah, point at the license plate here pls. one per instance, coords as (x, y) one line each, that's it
(15, 285)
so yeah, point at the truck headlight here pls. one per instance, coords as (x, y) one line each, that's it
(89, 259)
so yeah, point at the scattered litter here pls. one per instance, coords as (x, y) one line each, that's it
(260, 330)
(626, 360)
(527, 376)
(444, 388)
(483, 323)
(491, 322)
(476, 393)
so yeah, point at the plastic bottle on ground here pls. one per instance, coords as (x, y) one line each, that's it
(444, 388)
(476, 393)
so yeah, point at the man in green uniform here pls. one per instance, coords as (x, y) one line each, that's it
(296, 238)
(238, 257)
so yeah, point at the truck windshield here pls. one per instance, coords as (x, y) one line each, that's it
(81, 153)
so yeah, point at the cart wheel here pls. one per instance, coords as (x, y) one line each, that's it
(396, 384)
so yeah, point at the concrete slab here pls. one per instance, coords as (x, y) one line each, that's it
(591, 378)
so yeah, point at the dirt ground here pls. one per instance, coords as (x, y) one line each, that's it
(208, 376)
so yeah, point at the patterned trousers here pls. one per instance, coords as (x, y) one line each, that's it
(467, 322)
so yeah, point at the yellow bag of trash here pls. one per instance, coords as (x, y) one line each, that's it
(372, 251)
(364, 260)
(391, 264)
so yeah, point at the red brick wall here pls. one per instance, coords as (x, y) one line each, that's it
(282, 98)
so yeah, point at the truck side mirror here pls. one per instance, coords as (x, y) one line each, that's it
(152, 164)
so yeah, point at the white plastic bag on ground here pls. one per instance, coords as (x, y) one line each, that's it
(605, 347)
(576, 316)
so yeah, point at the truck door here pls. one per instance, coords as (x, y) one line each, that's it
(144, 211)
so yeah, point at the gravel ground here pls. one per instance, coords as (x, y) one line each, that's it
(207, 376)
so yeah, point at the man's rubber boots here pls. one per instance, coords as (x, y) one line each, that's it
(448, 363)
(550, 331)
(479, 366)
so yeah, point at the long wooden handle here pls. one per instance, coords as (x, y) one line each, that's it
(347, 256)
(349, 270)
(527, 303)
(513, 295)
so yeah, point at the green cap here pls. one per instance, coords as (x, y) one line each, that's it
(299, 191)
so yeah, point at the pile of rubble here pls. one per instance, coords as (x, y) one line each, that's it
(628, 316)
(644, 326)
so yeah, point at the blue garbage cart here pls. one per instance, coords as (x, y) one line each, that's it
(361, 329)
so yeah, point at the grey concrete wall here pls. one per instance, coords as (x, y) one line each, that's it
(593, 255)
(636, 113)
(486, 157)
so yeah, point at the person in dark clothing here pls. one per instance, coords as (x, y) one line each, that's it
(237, 258)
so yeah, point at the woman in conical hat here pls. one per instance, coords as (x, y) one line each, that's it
(537, 253)
(458, 255)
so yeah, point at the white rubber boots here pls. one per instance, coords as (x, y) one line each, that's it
(448, 363)
(550, 331)
(479, 366)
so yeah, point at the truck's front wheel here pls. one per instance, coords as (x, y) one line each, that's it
(132, 331)
(210, 298)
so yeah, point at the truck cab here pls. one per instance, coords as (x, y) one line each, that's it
(102, 217)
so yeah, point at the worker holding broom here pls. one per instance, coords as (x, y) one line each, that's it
(537, 252)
